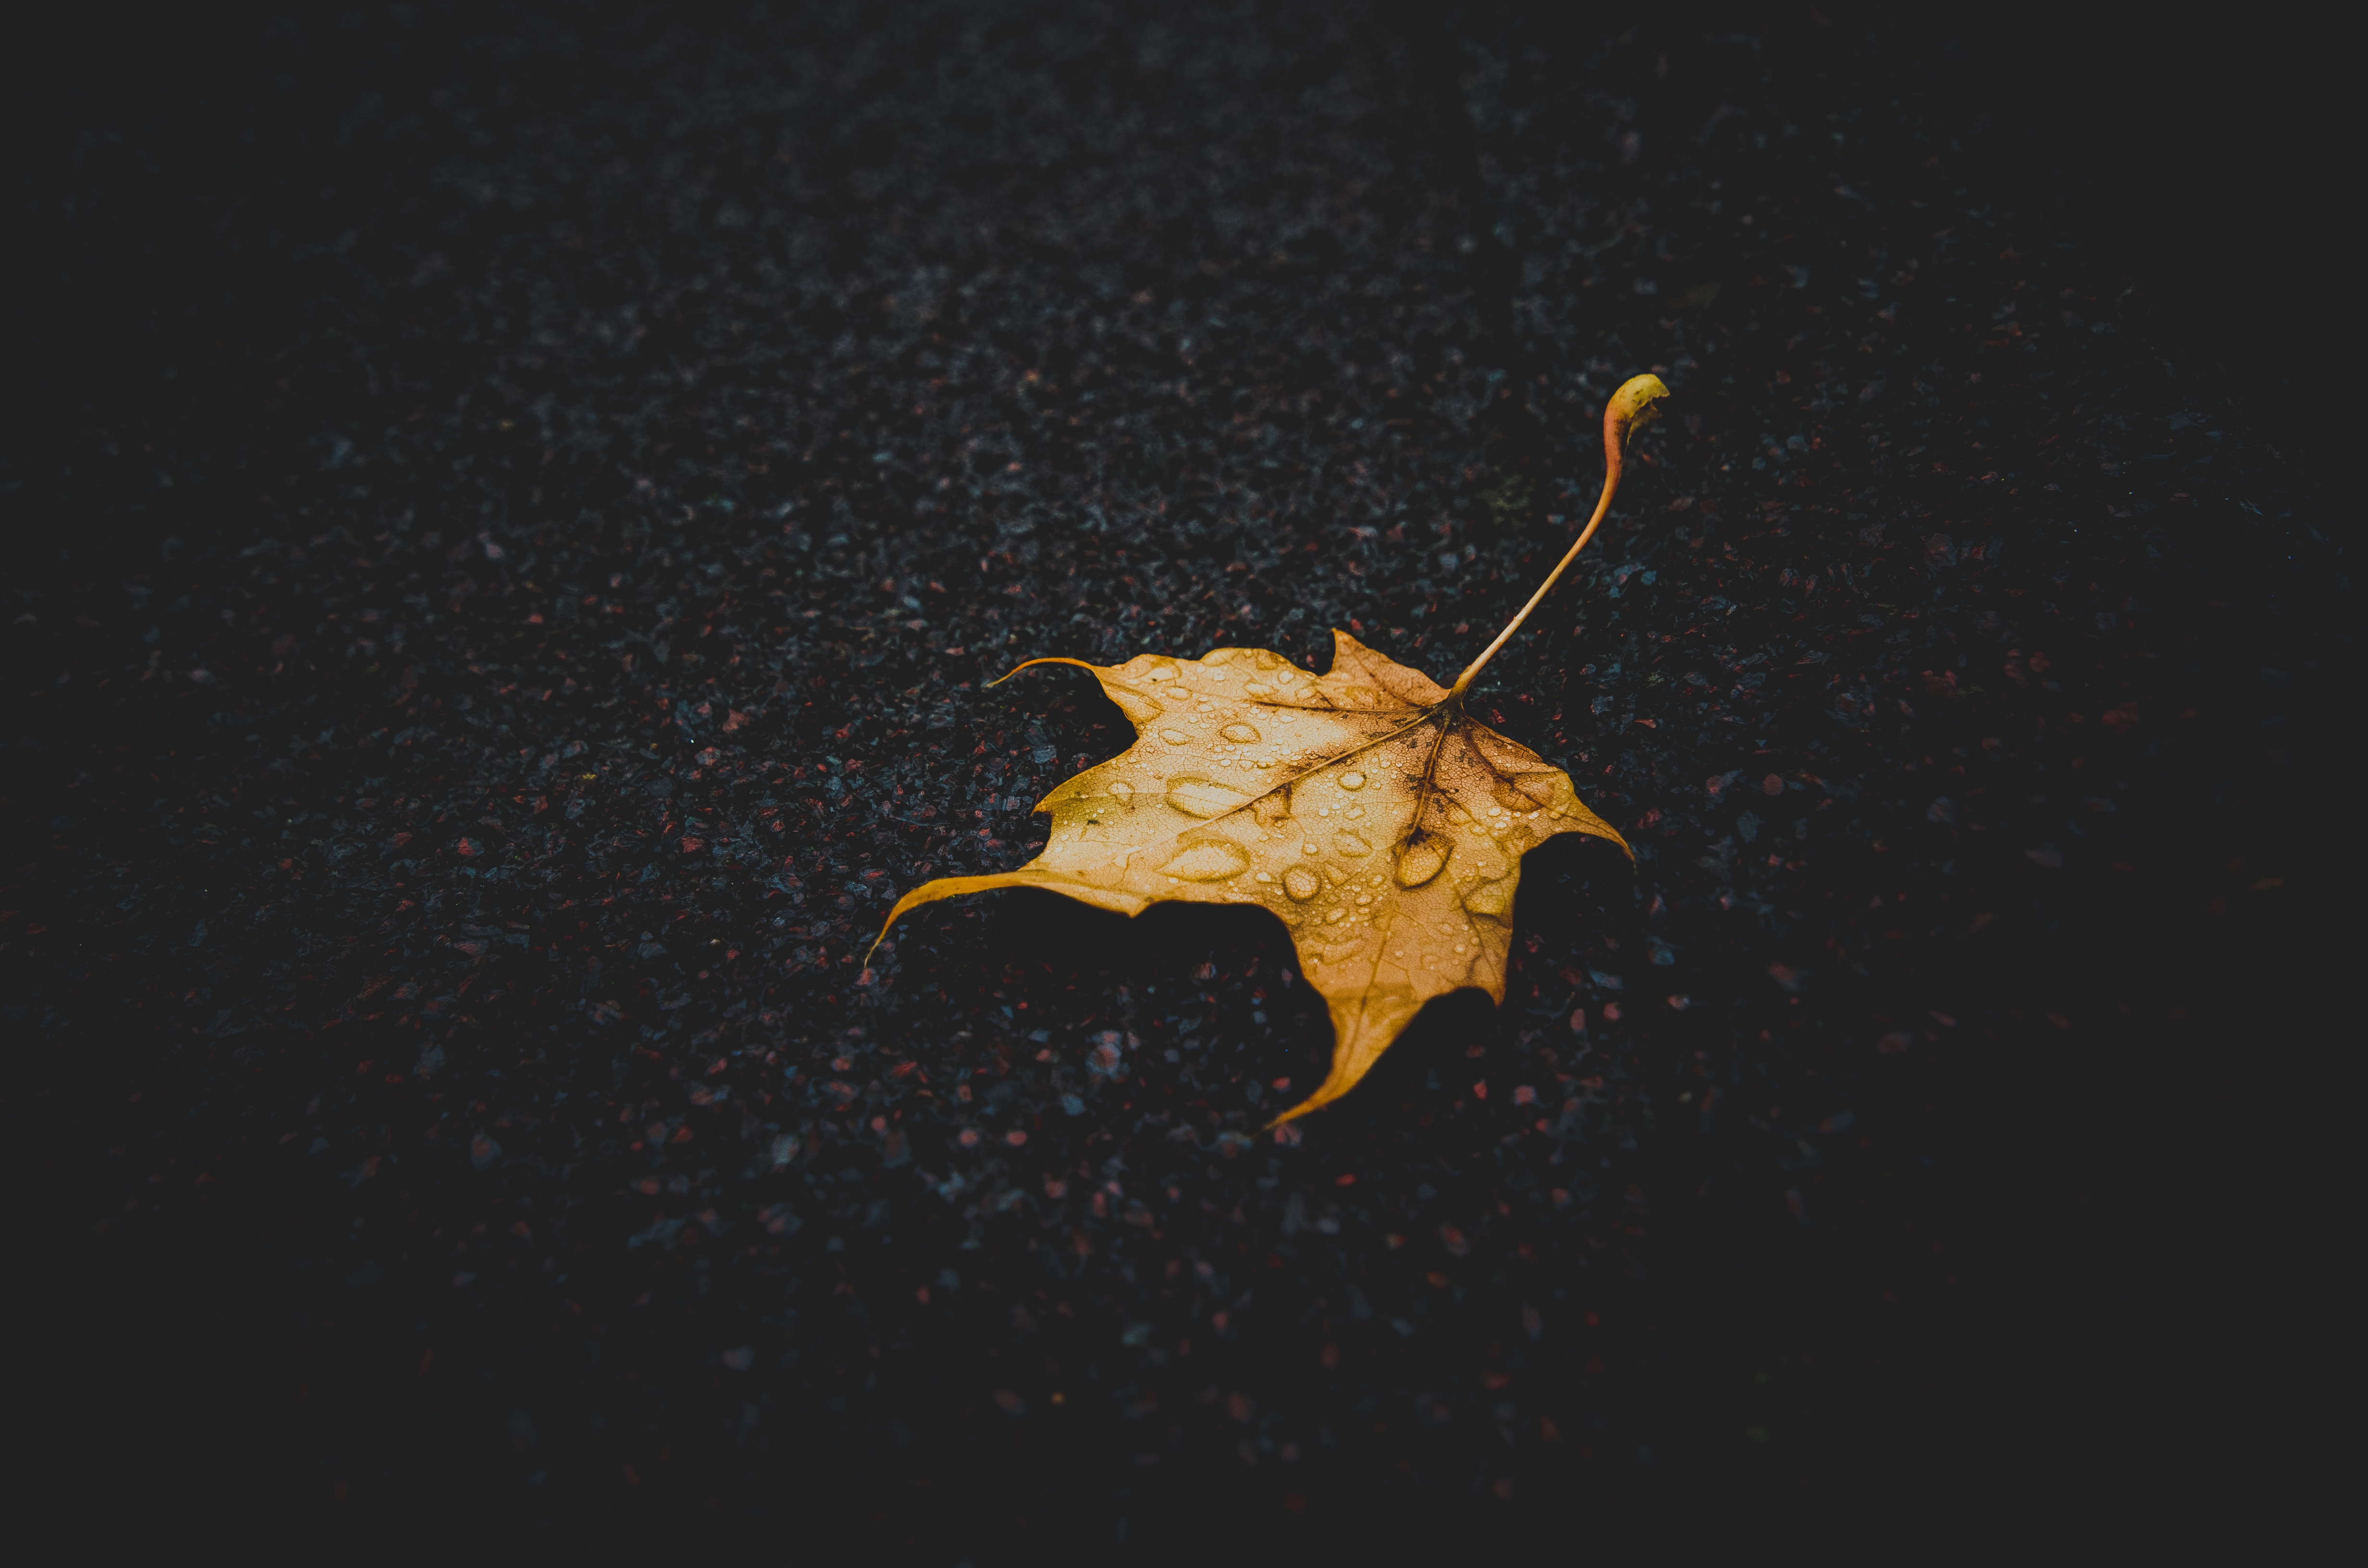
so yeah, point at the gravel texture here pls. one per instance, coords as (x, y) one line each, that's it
(511, 524)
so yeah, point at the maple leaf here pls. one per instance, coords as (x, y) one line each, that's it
(1378, 820)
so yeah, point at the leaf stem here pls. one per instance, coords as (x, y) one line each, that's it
(1632, 407)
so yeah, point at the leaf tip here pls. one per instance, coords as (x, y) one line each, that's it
(1343, 1077)
(1027, 663)
(1633, 406)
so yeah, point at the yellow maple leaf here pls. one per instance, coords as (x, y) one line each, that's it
(1381, 824)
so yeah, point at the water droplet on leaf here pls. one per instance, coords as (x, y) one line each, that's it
(1422, 861)
(1210, 860)
(1491, 898)
(1201, 797)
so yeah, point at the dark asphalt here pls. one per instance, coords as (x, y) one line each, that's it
(510, 513)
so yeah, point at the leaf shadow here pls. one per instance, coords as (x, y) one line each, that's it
(1573, 890)
(1220, 963)
(1197, 976)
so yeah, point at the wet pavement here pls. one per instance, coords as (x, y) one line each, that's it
(505, 605)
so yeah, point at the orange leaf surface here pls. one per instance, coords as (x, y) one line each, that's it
(1380, 824)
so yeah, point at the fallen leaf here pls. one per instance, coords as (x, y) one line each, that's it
(1378, 820)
